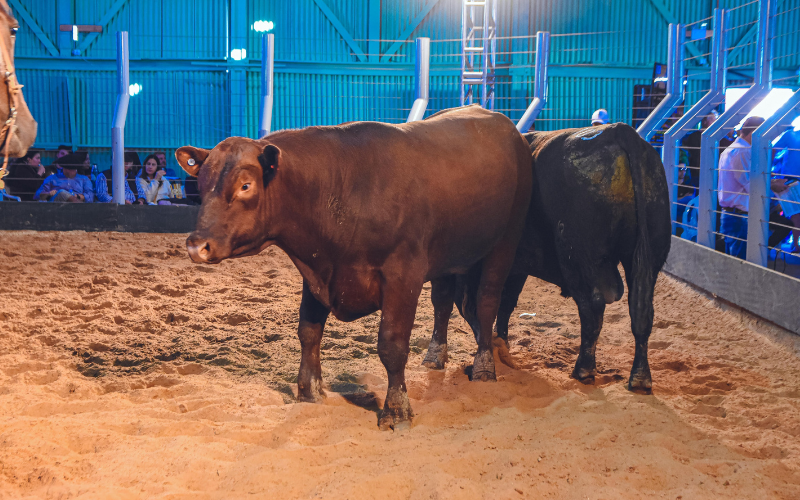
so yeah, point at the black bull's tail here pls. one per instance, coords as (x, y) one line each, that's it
(650, 196)
(652, 214)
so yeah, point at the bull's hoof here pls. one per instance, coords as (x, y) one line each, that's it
(640, 384)
(396, 413)
(310, 392)
(640, 381)
(584, 375)
(436, 357)
(483, 366)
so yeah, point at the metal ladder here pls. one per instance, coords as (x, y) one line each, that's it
(478, 53)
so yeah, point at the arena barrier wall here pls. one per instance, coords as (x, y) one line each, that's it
(98, 217)
(759, 290)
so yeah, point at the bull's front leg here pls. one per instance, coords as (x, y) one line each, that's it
(398, 309)
(312, 321)
(442, 298)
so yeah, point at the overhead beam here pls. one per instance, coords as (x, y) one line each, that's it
(671, 19)
(406, 33)
(31, 22)
(109, 15)
(374, 31)
(341, 29)
(64, 16)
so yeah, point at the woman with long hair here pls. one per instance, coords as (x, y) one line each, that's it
(151, 182)
(26, 175)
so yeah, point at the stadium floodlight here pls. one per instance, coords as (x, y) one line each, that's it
(134, 89)
(263, 26)
(238, 54)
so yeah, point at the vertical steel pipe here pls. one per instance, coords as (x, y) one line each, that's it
(760, 170)
(674, 95)
(761, 159)
(714, 97)
(267, 84)
(708, 203)
(539, 82)
(120, 115)
(422, 84)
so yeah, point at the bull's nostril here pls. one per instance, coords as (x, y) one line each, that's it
(205, 250)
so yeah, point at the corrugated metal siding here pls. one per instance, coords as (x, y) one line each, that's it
(43, 11)
(304, 33)
(47, 97)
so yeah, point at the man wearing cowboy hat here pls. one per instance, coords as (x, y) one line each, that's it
(67, 185)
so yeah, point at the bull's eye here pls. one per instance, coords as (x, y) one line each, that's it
(245, 187)
(14, 31)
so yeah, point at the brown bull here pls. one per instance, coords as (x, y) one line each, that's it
(18, 138)
(368, 212)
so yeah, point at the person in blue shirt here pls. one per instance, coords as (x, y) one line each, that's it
(787, 157)
(66, 185)
(133, 194)
(787, 166)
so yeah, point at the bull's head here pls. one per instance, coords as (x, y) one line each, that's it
(235, 179)
(24, 133)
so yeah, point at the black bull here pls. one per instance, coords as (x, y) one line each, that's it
(368, 212)
(599, 198)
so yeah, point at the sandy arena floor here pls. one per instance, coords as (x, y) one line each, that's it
(126, 371)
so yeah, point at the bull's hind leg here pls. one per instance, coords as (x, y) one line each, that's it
(312, 321)
(442, 297)
(397, 319)
(508, 302)
(641, 285)
(494, 272)
(590, 312)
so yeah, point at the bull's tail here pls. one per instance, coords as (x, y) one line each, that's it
(646, 261)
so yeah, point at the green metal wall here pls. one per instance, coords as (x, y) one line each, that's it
(342, 60)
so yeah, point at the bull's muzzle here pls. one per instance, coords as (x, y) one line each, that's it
(200, 249)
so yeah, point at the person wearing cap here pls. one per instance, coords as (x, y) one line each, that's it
(133, 195)
(599, 117)
(67, 185)
(733, 193)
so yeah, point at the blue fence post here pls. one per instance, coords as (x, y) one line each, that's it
(760, 174)
(709, 144)
(712, 99)
(665, 108)
(267, 84)
(539, 82)
(422, 80)
(120, 115)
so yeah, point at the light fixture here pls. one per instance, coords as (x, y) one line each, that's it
(263, 26)
(134, 89)
(238, 54)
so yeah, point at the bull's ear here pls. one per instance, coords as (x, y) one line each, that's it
(191, 159)
(269, 160)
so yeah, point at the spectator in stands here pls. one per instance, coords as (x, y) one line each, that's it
(151, 183)
(66, 185)
(787, 166)
(599, 117)
(734, 189)
(26, 175)
(162, 161)
(63, 151)
(102, 188)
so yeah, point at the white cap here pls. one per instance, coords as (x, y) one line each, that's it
(600, 117)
